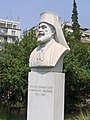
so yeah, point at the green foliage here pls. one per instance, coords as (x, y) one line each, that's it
(2, 114)
(77, 69)
(81, 116)
(75, 16)
(14, 68)
(6, 116)
(75, 24)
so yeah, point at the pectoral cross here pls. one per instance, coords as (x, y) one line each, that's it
(41, 55)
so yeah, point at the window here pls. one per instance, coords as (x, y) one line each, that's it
(13, 40)
(13, 32)
(5, 39)
(14, 26)
(5, 30)
(9, 25)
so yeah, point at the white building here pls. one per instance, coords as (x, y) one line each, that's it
(9, 30)
(85, 37)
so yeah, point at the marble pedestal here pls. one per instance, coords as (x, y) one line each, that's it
(46, 96)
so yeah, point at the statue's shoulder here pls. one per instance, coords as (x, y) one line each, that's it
(58, 52)
(57, 46)
(34, 51)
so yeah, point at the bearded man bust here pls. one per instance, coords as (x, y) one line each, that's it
(52, 45)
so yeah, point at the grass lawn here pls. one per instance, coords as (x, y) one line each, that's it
(78, 117)
(5, 116)
(11, 117)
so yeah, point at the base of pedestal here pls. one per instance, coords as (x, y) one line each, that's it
(46, 96)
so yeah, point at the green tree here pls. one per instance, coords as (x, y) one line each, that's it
(77, 70)
(75, 24)
(14, 68)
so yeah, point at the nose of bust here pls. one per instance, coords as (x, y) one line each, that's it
(40, 29)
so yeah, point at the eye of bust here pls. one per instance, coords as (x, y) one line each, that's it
(42, 26)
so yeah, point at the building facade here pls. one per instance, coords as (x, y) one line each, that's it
(85, 36)
(9, 30)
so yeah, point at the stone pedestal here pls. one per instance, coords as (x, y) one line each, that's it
(46, 96)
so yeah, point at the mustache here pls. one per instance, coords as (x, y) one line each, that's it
(41, 33)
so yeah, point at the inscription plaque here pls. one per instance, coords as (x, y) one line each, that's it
(41, 90)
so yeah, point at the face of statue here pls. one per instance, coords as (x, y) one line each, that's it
(44, 33)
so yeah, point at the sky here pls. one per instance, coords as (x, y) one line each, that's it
(28, 11)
